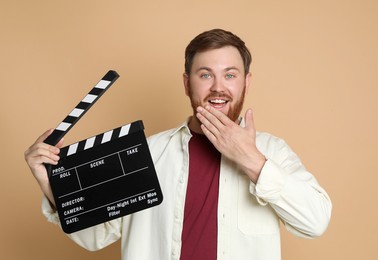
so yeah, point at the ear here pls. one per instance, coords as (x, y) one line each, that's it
(185, 78)
(247, 82)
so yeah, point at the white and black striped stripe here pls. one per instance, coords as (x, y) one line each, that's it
(110, 77)
(101, 138)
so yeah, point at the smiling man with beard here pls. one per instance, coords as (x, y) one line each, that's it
(226, 187)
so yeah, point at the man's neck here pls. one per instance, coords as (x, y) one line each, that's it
(195, 125)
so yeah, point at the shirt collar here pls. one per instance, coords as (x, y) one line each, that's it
(184, 127)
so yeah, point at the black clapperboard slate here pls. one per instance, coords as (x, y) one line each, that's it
(104, 177)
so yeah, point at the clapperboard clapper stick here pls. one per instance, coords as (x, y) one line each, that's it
(103, 177)
(81, 108)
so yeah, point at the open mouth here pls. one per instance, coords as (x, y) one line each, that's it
(218, 102)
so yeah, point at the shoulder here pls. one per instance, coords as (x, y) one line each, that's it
(160, 138)
(272, 146)
(267, 139)
(164, 137)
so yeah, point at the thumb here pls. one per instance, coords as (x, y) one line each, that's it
(249, 121)
(60, 143)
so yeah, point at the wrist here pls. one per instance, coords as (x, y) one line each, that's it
(254, 170)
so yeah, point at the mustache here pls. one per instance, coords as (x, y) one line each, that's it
(218, 95)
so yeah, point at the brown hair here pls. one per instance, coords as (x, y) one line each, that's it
(215, 39)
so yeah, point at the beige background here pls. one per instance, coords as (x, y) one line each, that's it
(314, 84)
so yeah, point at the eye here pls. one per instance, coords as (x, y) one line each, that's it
(230, 76)
(205, 76)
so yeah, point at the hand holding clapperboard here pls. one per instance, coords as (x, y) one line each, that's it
(104, 177)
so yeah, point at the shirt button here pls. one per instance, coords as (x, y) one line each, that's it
(177, 239)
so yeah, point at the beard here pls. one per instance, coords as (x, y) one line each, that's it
(234, 110)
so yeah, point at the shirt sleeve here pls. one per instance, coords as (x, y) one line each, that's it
(293, 192)
(49, 212)
(93, 238)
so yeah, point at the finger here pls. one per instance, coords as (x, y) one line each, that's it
(218, 115)
(209, 134)
(213, 117)
(45, 150)
(207, 124)
(41, 150)
(37, 161)
(249, 120)
(40, 160)
(54, 149)
(60, 143)
(44, 136)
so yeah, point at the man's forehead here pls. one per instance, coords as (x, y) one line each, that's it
(225, 59)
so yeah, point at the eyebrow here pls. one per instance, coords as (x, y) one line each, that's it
(209, 69)
(203, 68)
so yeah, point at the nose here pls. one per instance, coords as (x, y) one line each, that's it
(217, 85)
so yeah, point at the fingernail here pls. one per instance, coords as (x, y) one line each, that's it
(199, 109)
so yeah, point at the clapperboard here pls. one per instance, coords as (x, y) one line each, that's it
(104, 177)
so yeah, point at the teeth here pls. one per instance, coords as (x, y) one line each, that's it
(218, 101)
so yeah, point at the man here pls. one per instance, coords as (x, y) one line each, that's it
(225, 186)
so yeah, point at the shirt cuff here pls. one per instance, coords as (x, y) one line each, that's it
(270, 183)
(49, 212)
